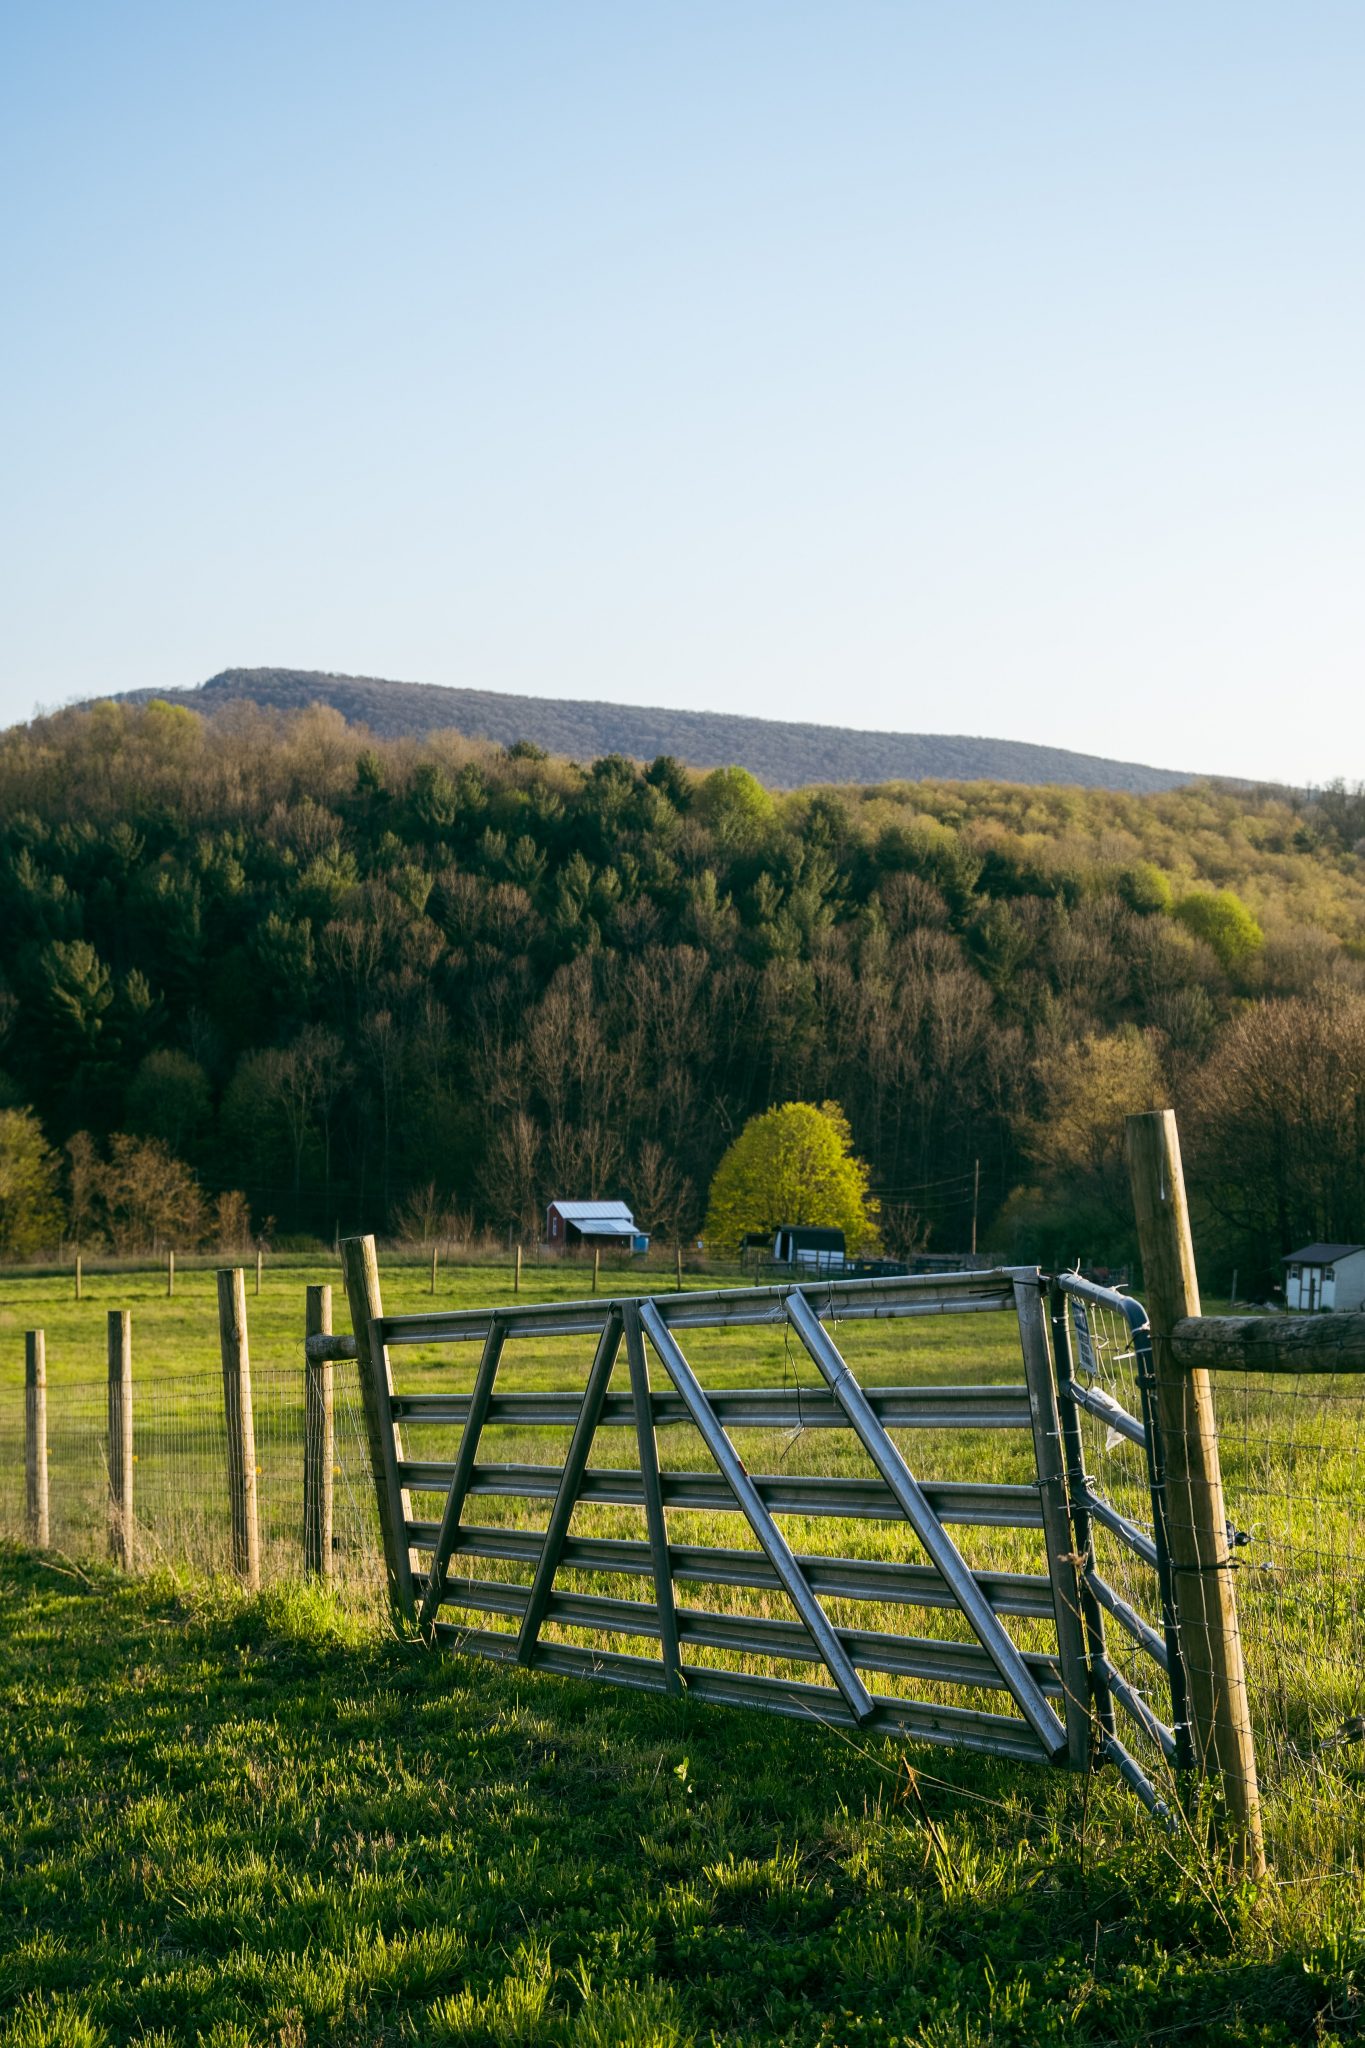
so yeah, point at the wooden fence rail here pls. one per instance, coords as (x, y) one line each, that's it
(1281, 1343)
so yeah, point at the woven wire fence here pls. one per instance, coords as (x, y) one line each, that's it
(1292, 1451)
(181, 1507)
(1294, 1490)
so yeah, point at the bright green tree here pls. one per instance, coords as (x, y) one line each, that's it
(1221, 919)
(736, 806)
(793, 1165)
(30, 1213)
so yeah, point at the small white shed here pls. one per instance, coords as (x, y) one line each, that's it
(1325, 1276)
(607, 1226)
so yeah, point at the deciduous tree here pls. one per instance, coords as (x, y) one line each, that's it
(794, 1164)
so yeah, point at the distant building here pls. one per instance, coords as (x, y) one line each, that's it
(603, 1226)
(1325, 1276)
(813, 1251)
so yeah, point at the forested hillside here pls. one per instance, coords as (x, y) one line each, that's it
(380, 983)
(782, 753)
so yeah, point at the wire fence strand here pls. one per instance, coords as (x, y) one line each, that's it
(182, 1513)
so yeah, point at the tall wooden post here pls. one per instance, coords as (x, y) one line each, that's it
(170, 1272)
(319, 1456)
(678, 1264)
(79, 1276)
(260, 1261)
(241, 1430)
(120, 1441)
(596, 1265)
(516, 1273)
(1206, 1603)
(361, 1268)
(35, 1439)
(433, 1269)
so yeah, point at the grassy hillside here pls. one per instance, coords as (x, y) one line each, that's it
(781, 753)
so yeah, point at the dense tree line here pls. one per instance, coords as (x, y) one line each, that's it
(392, 984)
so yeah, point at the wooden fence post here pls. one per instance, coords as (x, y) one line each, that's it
(35, 1439)
(433, 1269)
(1206, 1604)
(241, 1430)
(596, 1265)
(260, 1261)
(319, 1455)
(78, 1276)
(170, 1272)
(120, 1441)
(361, 1268)
(516, 1273)
(678, 1267)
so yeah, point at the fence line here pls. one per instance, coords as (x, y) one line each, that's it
(181, 1508)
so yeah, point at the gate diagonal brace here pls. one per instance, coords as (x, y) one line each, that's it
(750, 1502)
(464, 1472)
(570, 1485)
(943, 1552)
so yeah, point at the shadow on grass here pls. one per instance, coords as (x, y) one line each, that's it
(235, 1821)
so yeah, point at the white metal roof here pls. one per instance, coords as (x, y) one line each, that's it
(604, 1213)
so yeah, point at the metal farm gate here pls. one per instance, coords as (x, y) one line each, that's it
(1018, 1665)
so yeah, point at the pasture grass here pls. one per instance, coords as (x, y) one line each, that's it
(236, 1821)
(266, 1820)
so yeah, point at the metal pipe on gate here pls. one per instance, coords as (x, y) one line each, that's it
(747, 1497)
(910, 1499)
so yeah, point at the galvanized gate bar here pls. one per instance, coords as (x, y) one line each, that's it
(1133, 1775)
(1000, 1735)
(837, 1578)
(654, 1501)
(915, 1507)
(476, 1415)
(1128, 1617)
(774, 1543)
(1003, 1407)
(1057, 1533)
(1136, 1539)
(925, 1657)
(1139, 1712)
(866, 1500)
(932, 1294)
(570, 1483)
(1096, 1402)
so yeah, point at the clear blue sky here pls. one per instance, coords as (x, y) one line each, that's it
(938, 367)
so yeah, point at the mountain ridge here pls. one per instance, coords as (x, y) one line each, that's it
(784, 753)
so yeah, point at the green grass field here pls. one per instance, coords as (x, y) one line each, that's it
(267, 1820)
(239, 1821)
